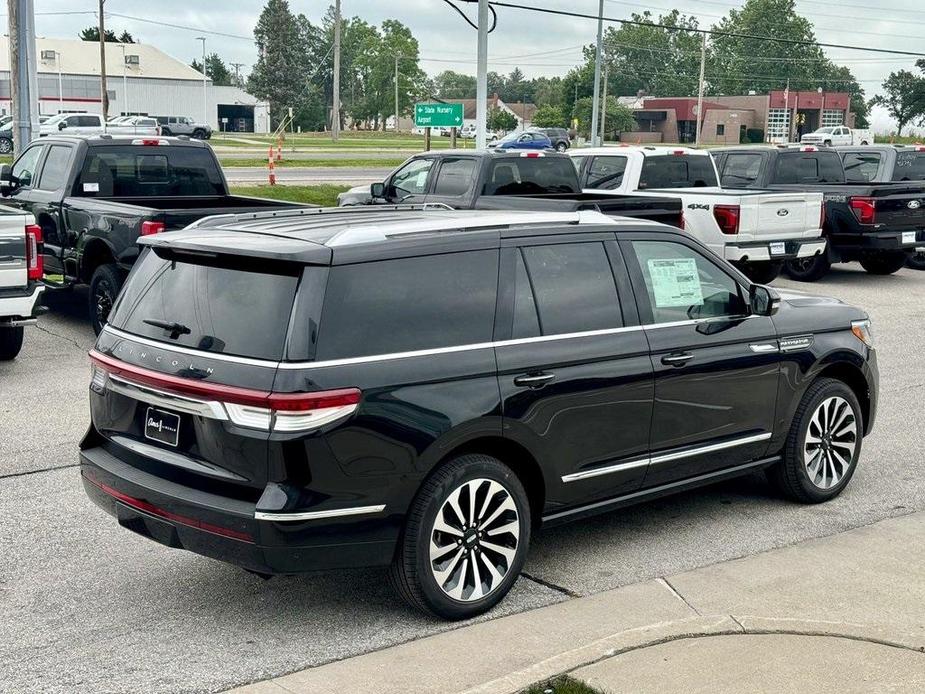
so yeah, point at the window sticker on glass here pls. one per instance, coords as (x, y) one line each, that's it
(675, 282)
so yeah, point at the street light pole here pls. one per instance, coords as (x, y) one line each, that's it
(60, 88)
(23, 80)
(335, 90)
(397, 56)
(481, 79)
(124, 82)
(703, 60)
(104, 93)
(595, 107)
(205, 108)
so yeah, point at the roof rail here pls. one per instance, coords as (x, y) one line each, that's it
(218, 220)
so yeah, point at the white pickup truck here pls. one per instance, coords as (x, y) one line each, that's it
(21, 271)
(836, 135)
(757, 232)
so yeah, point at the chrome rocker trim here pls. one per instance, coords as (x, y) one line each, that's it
(318, 515)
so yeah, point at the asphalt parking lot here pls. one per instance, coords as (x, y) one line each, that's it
(89, 606)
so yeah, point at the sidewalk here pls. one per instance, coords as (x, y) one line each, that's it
(844, 613)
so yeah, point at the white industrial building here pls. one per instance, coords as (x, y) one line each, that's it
(141, 80)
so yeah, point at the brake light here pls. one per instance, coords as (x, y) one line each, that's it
(865, 209)
(727, 217)
(808, 149)
(35, 262)
(255, 409)
(920, 149)
(150, 141)
(679, 152)
(150, 228)
(532, 155)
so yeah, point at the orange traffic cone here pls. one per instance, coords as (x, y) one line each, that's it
(271, 168)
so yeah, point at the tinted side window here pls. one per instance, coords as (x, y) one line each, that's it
(741, 170)
(54, 171)
(409, 304)
(677, 171)
(455, 177)
(861, 167)
(606, 173)
(683, 285)
(88, 121)
(574, 287)
(910, 166)
(411, 179)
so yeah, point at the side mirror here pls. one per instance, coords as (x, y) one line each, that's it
(377, 190)
(762, 300)
(7, 181)
(62, 125)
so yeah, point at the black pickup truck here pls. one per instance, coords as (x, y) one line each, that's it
(877, 224)
(93, 197)
(880, 163)
(504, 180)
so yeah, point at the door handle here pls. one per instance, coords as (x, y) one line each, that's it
(677, 359)
(534, 380)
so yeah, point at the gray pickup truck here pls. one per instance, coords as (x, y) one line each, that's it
(94, 197)
(20, 278)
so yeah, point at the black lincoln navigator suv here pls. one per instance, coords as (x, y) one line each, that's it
(426, 388)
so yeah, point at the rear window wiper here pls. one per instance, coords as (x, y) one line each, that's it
(175, 329)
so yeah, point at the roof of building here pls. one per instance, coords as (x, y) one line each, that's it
(83, 58)
(522, 110)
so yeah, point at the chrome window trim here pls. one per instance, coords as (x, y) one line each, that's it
(115, 332)
(318, 515)
(666, 457)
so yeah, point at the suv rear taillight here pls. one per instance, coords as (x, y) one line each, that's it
(727, 217)
(822, 216)
(254, 409)
(35, 262)
(149, 228)
(865, 209)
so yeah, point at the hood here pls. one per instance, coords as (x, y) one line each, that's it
(358, 195)
(806, 313)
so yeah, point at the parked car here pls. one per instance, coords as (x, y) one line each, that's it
(502, 180)
(74, 124)
(93, 197)
(6, 138)
(20, 278)
(877, 224)
(558, 137)
(522, 140)
(882, 163)
(426, 390)
(468, 131)
(755, 230)
(134, 125)
(838, 135)
(183, 125)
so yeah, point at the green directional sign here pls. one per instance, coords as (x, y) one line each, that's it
(438, 115)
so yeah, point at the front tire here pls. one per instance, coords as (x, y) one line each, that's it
(561, 147)
(885, 263)
(6, 146)
(823, 446)
(761, 273)
(199, 134)
(809, 269)
(916, 261)
(104, 288)
(10, 342)
(465, 539)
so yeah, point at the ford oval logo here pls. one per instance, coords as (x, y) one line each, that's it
(783, 212)
(914, 204)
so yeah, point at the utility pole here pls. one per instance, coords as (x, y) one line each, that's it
(124, 82)
(597, 75)
(237, 73)
(335, 106)
(205, 79)
(397, 56)
(703, 60)
(104, 93)
(23, 79)
(60, 84)
(604, 103)
(481, 79)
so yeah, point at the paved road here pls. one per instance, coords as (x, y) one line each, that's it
(310, 154)
(297, 175)
(86, 605)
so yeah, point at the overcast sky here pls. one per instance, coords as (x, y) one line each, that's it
(538, 44)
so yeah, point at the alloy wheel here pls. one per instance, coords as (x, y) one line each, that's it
(104, 302)
(831, 441)
(474, 540)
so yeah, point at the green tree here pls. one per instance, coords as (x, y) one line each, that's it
(216, 70)
(500, 120)
(454, 85)
(549, 117)
(619, 117)
(903, 98)
(125, 37)
(93, 34)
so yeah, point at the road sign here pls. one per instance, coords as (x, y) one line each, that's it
(438, 115)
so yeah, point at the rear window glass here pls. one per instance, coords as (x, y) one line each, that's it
(135, 171)
(409, 304)
(677, 171)
(741, 170)
(910, 166)
(606, 173)
(809, 167)
(861, 167)
(224, 310)
(531, 176)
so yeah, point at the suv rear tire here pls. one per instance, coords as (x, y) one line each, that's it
(10, 342)
(916, 261)
(165, 132)
(885, 263)
(458, 567)
(104, 288)
(761, 273)
(809, 269)
(823, 445)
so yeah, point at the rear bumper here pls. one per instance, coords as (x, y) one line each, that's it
(761, 252)
(226, 528)
(908, 240)
(19, 305)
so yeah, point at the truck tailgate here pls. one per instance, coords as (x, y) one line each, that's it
(900, 205)
(782, 215)
(12, 251)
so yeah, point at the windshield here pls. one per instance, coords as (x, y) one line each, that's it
(826, 131)
(510, 137)
(54, 120)
(677, 171)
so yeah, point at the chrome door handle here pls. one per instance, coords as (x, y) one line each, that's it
(534, 380)
(677, 359)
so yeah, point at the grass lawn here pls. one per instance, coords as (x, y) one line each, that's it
(348, 141)
(324, 195)
(389, 163)
(562, 685)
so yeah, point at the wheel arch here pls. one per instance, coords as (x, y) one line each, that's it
(852, 376)
(96, 252)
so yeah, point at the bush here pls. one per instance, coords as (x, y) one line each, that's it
(549, 117)
(754, 135)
